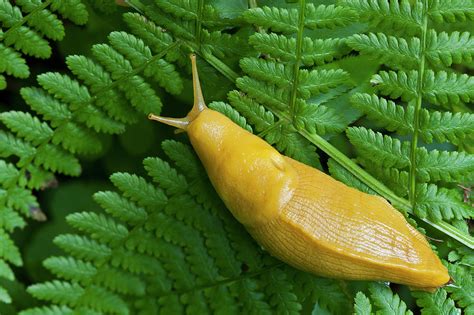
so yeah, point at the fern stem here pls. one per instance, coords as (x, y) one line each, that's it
(137, 70)
(43, 6)
(219, 65)
(199, 23)
(136, 4)
(296, 66)
(418, 102)
(226, 281)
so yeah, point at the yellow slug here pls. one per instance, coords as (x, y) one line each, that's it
(301, 215)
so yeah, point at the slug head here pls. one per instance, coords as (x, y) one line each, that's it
(198, 106)
(250, 176)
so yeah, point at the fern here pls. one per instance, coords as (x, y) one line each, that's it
(287, 79)
(429, 104)
(26, 28)
(75, 112)
(160, 249)
(414, 82)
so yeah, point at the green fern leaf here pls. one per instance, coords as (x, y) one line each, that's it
(44, 104)
(8, 174)
(6, 271)
(393, 117)
(138, 190)
(44, 21)
(254, 112)
(100, 83)
(446, 49)
(57, 160)
(267, 70)
(155, 37)
(167, 177)
(139, 55)
(313, 51)
(73, 10)
(139, 92)
(448, 89)
(98, 226)
(343, 175)
(277, 19)
(12, 64)
(264, 93)
(120, 208)
(396, 84)
(231, 113)
(438, 204)
(386, 301)
(70, 268)
(320, 119)
(10, 145)
(463, 292)
(51, 310)
(399, 15)
(10, 220)
(382, 150)
(451, 10)
(436, 303)
(9, 252)
(82, 247)
(57, 291)
(27, 127)
(362, 304)
(445, 166)
(396, 52)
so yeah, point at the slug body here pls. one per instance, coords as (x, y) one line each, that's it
(303, 216)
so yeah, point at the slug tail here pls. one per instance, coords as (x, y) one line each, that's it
(198, 106)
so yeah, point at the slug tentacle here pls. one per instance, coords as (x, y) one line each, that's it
(198, 106)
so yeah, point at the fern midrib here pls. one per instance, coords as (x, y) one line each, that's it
(200, 10)
(296, 66)
(419, 100)
(226, 281)
(135, 71)
(43, 6)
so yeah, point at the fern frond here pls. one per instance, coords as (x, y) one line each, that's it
(393, 51)
(463, 293)
(51, 310)
(451, 10)
(437, 302)
(25, 26)
(387, 14)
(382, 150)
(448, 88)
(386, 301)
(438, 204)
(446, 49)
(234, 115)
(445, 166)
(286, 20)
(396, 84)
(393, 117)
(362, 304)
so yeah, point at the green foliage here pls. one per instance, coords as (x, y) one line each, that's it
(414, 82)
(75, 112)
(158, 249)
(287, 78)
(26, 28)
(166, 243)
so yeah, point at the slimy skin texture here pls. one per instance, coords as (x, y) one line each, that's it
(303, 216)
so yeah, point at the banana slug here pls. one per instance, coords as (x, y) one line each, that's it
(301, 215)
